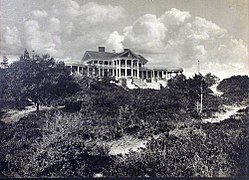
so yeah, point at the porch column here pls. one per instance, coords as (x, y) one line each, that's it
(132, 68)
(138, 69)
(78, 70)
(71, 70)
(126, 68)
(88, 73)
(119, 68)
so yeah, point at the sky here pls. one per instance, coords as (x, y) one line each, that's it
(170, 33)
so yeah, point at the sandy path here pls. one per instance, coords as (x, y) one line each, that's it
(126, 144)
(13, 116)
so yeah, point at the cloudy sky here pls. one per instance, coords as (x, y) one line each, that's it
(173, 33)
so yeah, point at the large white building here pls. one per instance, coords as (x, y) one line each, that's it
(126, 67)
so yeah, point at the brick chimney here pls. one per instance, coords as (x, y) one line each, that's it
(101, 49)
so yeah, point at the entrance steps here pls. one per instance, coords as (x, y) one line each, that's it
(140, 83)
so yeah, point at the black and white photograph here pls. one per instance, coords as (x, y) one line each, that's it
(124, 88)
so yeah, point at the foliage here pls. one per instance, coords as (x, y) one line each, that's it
(39, 79)
(206, 150)
(211, 79)
(236, 89)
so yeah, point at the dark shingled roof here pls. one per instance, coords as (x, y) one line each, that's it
(109, 55)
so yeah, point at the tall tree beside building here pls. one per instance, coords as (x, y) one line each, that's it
(39, 79)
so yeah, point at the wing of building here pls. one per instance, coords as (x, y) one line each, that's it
(126, 67)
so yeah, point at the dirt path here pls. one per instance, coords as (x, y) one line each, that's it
(13, 116)
(125, 145)
(215, 91)
(220, 116)
(229, 109)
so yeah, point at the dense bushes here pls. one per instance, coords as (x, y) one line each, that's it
(54, 144)
(236, 89)
(62, 144)
(212, 150)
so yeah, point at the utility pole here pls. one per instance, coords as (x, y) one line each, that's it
(201, 100)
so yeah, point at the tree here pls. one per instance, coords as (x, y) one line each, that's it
(40, 80)
(235, 89)
(210, 79)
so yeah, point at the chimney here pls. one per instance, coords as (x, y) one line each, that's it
(114, 51)
(101, 49)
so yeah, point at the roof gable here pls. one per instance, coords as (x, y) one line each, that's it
(142, 59)
(128, 54)
(86, 56)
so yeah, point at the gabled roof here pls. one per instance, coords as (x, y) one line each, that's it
(142, 59)
(98, 55)
(111, 55)
(127, 53)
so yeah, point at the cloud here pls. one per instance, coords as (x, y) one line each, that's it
(39, 13)
(54, 25)
(147, 32)
(114, 42)
(96, 13)
(63, 29)
(178, 39)
(42, 41)
(11, 42)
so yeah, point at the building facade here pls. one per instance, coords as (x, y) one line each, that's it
(126, 65)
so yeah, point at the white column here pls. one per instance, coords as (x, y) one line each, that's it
(71, 70)
(138, 69)
(132, 68)
(78, 70)
(126, 68)
(119, 68)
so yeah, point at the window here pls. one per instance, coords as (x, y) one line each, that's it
(135, 63)
(122, 62)
(156, 74)
(106, 63)
(100, 62)
(122, 72)
(95, 62)
(128, 72)
(134, 73)
(129, 63)
(110, 72)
